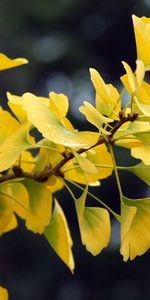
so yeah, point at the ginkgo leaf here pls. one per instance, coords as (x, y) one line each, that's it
(12, 224)
(5, 130)
(80, 206)
(15, 104)
(59, 103)
(54, 184)
(3, 293)
(27, 161)
(93, 115)
(19, 192)
(40, 205)
(86, 165)
(107, 97)
(98, 156)
(95, 231)
(52, 129)
(142, 171)
(142, 152)
(6, 207)
(13, 146)
(142, 33)
(130, 76)
(58, 235)
(7, 63)
(135, 227)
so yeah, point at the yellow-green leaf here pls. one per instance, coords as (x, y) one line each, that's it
(58, 235)
(3, 293)
(98, 156)
(107, 97)
(40, 205)
(7, 63)
(59, 104)
(135, 227)
(51, 127)
(6, 207)
(142, 171)
(5, 130)
(86, 165)
(95, 231)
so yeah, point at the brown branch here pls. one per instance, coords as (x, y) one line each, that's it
(42, 176)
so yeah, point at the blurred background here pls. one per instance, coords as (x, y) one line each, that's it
(61, 40)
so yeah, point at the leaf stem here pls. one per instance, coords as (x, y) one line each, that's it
(115, 170)
(117, 216)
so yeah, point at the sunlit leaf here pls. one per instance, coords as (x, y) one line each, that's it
(19, 192)
(40, 205)
(135, 227)
(142, 171)
(86, 165)
(98, 156)
(52, 129)
(5, 130)
(95, 232)
(130, 76)
(59, 103)
(13, 146)
(142, 34)
(107, 97)
(93, 115)
(7, 63)
(3, 293)
(6, 207)
(58, 235)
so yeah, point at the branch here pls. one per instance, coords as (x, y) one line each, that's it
(42, 176)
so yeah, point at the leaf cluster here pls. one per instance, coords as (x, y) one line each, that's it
(67, 156)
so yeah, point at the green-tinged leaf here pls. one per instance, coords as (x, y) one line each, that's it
(15, 104)
(98, 156)
(142, 171)
(13, 146)
(19, 192)
(51, 127)
(135, 227)
(130, 76)
(86, 165)
(40, 205)
(95, 232)
(58, 235)
(93, 115)
(6, 207)
(80, 206)
(3, 293)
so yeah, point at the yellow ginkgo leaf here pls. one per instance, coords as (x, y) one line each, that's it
(59, 103)
(12, 224)
(130, 76)
(15, 104)
(142, 152)
(142, 171)
(5, 130)
(86, 165)
(6, 207)
(54, 184)
(135, 227)
(95, 231)
(98, 156)
(93, 115)
(7, 63)
(51, 127)
(142, 38)
(14, 145)
(19, 192)
(3, 293)
(107, 97)
(58, 235)
(40, 205)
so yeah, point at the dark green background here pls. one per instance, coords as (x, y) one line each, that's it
(62, 39)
